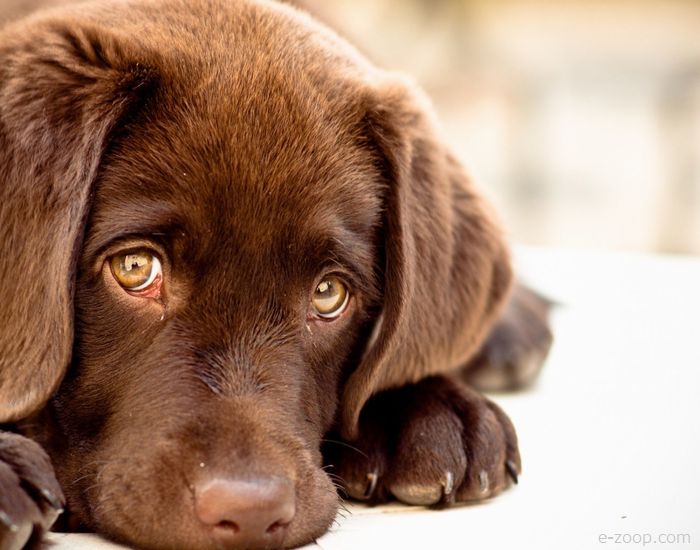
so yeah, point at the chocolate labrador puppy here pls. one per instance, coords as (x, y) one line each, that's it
(229, 246)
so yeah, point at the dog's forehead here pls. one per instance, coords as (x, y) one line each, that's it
(260, 144)
(264, 167)
(253, 139)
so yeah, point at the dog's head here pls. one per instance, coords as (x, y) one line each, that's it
(223, 231)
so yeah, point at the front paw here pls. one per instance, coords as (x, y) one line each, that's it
(30, 497)
(434, 442)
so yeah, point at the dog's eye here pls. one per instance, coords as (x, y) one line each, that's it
(136, 271)
(330, 298)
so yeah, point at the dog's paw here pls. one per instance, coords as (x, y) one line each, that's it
(30, 497)
(515, 350)
(435, 442)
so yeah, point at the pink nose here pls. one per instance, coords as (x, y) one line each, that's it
(246, 513)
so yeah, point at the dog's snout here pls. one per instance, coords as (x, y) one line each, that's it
(246, 512)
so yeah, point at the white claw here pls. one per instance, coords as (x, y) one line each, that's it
(449, 484)
(372, 479)
(484, 481)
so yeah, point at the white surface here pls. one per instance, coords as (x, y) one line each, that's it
(610, 436)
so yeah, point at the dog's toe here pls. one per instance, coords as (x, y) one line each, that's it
(426, 495)
(360, 468)
(429, 458)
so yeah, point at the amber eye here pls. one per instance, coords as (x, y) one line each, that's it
(137, 270)
(330, 298)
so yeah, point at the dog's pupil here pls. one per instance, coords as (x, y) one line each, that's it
(324, 287)
(134, 262)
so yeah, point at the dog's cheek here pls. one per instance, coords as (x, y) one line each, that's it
(112, 342)
(143, 500)
(331, 355)
(108, 318)
(317, 504)
(135, 482)
(111, 345)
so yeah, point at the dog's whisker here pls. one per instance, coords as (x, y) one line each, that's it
(339, 483)
(344, 508)
(345, 444)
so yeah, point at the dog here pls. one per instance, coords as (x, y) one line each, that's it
(240, 271)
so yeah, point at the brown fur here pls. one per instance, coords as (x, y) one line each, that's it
(254, 151)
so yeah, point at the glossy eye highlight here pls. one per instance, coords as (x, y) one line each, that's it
(330, 298)
(136, 271)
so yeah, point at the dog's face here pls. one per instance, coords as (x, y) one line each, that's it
(226, 280)
(246, 232)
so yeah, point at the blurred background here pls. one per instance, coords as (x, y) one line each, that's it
(580, 118)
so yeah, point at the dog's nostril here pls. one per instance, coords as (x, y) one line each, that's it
(277, 526)
(246, 512)
(228, 525)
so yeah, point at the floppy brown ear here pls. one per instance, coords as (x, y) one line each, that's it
(64, 85)
(447, 269)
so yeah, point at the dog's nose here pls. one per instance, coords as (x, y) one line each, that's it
(246, 513)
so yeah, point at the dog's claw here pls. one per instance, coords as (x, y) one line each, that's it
(372, 479)
(7, 522)
(512, 470)
(483, 481)
(53, 500)
(448, 485)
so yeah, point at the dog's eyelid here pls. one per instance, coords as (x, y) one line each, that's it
(336, 271)
(132, 243)
(358, 281)
(352, 275)
(335, 268)
(159, 237)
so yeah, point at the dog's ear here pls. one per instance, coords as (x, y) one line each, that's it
(446, 266)
(64, 87)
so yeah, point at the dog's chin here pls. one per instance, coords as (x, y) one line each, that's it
(139, 506)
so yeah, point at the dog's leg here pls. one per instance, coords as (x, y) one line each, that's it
(515, 350)
(434, 442)
(30, 497)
